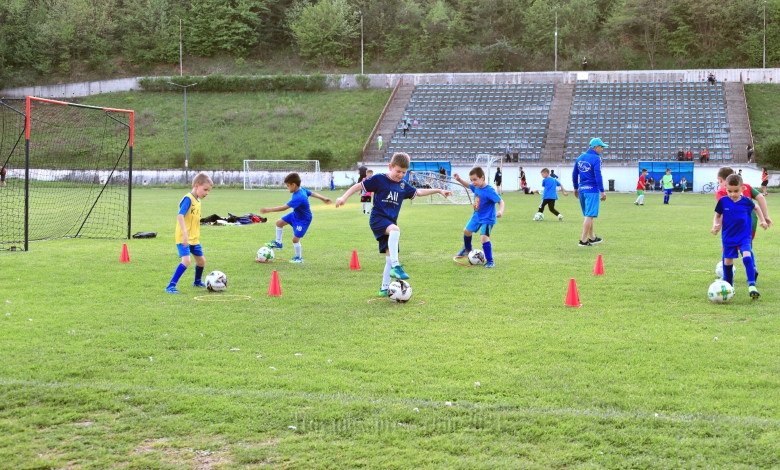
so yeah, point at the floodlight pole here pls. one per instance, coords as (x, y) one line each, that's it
(764, 34)
(186, 145)
(361, 42)
(556, 40)
(181, 68)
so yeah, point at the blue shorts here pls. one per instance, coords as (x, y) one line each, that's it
(299, 226)
(474, 226)
(590, 204)
(667, 192)
(379, 227)
(733, 251)
(186, 250)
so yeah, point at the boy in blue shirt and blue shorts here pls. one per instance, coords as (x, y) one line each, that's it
(389, 190)
(484, 217)
(733, 216)
(188, 232)
(589, 188)
(300, 218)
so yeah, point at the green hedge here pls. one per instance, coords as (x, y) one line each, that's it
(239, 83)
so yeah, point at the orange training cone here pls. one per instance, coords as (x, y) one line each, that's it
(572, 297)
(598, 270)
(354, 264)
(125, 256)
(275, 289)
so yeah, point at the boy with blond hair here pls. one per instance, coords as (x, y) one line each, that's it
(389, 190)
(188, 232)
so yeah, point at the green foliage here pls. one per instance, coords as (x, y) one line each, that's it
(106, 370)
(768, 153)
(239, 83)
(225, 26)
(363, 81)
(325, 32)
(324, 155)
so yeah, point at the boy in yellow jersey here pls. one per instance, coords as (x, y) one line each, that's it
(188, 232)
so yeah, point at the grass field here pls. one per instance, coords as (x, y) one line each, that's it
(481, 369)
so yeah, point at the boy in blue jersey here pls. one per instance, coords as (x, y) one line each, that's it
(588, 185)
(484, 217)
(550, 192)
(389, 190)
(300, 218)
(188, 232)
(732, 215)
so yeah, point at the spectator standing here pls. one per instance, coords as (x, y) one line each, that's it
(522, 178)
(497, 180)
(705, 155)
(508, 153)
(405, 127)
(589, 188)
(442, 171)
(764, 180)
(711, 79)
(749, 150)
(362, 169)
(584, 63)
(553, 175)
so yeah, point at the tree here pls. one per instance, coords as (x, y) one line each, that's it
(230, 26)
(642, 23)
(326, 32)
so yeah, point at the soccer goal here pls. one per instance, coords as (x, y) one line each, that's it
(68, 171)
(486, 162)
(435, 180)
(270, 174)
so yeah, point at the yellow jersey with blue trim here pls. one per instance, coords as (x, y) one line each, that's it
(191, 207)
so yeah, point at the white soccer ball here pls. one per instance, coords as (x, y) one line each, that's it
(477, 257)
(216, 281)
(265, 254)
(539, 217)
(720, 292)
(719, 269)
(399, 291)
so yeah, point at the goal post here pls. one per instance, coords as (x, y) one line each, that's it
(435, 180)
(73, 176)
(270, 174)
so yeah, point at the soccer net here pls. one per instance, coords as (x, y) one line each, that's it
(486, 162)
(270, 174)
(68, 171)
(435, 180)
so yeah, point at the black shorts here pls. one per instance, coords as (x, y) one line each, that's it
(498, 182)
(365, 198)
(765, 182)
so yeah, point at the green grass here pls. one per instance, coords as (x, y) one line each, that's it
(764, 109)
(226, 128)
(102, 369)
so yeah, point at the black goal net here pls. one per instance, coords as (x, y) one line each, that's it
(68, 169)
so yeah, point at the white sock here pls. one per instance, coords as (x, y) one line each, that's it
(392, 244)
(386, 275)
(298, 249)
(641, 198)
(279, 231)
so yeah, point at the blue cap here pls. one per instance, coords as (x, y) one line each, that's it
(596, 142)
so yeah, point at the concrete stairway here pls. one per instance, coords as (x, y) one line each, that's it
(389, 124)
(739, 122)
(560, 112)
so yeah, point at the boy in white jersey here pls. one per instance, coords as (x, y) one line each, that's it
(389, 190)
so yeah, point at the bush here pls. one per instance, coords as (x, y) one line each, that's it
(768, 154)
(239, 83)
(364, 81)
(325, 156)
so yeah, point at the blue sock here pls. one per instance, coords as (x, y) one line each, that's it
(488, 249)
(198, 273)
(467, 242)
(177, 274)
(750, 269)
(728, 273)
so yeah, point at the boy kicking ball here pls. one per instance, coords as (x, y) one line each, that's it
(484, 217)
(389, 190)
(300, 218)
(732, 215)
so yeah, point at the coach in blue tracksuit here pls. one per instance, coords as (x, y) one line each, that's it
(589, 187)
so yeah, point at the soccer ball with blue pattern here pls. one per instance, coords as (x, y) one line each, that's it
(265, 254)
(216, 281)
(539, 217)
(720, 292)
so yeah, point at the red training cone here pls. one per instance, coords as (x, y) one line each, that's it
(598, 270)
(275, 289)
(572, 297)
(125, 256)
(354, 264)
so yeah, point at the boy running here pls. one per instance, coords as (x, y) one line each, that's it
(484, 217)
(389, 190)
(550, 193)
(640, 188)
(300, 218)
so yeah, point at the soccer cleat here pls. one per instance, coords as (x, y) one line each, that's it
(263, 220)
(297, 259)
(398, 272)
(462, 253)
(274, 244)
(595, 241)
(560, 217)
(636, 203)
(641, 204)
(753, 292)
(382, 292)
(490, 264)
(171, 290)
(198, 284)
(586, 243)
